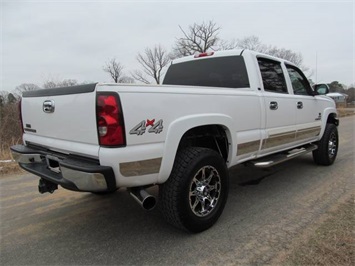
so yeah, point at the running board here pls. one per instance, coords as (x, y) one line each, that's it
(274, 159)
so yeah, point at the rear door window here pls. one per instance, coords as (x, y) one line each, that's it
(272, 76)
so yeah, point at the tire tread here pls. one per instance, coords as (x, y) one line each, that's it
(170, 191)
(320, 156)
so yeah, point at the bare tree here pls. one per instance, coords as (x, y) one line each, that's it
(126, 79)
(140, 76)
(3, 98)
(10, 130)
(197, 38)
(11, 98)
(152, 60)
(26, 87)
(289, 55)
(254, 43)
(227, 45)
(115, 69)
(286, 54)
(49, 84)
(251, 43)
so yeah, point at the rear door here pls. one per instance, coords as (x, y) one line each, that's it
(280, 112)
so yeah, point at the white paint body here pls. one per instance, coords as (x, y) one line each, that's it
(244, 114)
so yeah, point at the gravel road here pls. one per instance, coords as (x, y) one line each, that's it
(267, 211)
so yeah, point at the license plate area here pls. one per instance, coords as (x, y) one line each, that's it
(53, 163)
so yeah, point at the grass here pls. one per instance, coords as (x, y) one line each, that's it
(333, 243)
(9, 168)
(345, 112)
(5, 154)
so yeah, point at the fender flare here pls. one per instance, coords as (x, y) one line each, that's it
(327, 111)
(180, 126)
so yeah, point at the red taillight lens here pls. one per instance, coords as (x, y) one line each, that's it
(110, 125)
(20, 114)
(203, 54)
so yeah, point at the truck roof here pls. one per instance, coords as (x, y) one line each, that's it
(233, 52)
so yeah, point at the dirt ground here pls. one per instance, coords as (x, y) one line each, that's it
(293, 214)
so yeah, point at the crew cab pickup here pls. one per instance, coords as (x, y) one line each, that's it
(213, 111)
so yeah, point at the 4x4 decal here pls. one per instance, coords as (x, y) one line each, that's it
(141, 127)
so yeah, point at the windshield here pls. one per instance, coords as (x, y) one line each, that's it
(229, 71)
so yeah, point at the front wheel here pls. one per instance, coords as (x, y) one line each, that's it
(196, 192)
(327, 146)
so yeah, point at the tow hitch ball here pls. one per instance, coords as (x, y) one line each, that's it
(46, 186)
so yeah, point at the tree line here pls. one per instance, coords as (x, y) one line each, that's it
(196, 38)
(152, 61)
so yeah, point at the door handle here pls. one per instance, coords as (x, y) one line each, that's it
(300, 105)
(274, 105)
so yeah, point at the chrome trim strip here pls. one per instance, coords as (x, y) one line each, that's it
(248, 147)
(139, 168)
(308, 133)
(278, 139)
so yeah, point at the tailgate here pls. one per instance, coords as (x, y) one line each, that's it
(63, 114)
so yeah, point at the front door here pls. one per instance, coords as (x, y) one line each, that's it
(308, 107)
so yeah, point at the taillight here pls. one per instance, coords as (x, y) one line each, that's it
(109, 117)
(20, 114)
(203, 54)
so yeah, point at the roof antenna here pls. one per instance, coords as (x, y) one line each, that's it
(316, 67)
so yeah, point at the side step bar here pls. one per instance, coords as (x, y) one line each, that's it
(274, 159)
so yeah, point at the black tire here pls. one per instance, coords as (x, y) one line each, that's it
(185, 188)
(327, 146)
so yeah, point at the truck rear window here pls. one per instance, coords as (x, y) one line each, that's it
(227, 72)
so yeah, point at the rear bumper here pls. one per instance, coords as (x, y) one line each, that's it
(70, 172)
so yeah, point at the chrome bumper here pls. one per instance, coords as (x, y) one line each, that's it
(70, 172)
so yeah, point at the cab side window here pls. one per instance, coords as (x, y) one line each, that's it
(272, 75)
(299, 82)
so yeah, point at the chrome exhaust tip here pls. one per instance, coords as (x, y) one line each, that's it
(144, 199)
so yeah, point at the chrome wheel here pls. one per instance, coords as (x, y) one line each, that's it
(194, 196)
(205, 190)
(332, 145)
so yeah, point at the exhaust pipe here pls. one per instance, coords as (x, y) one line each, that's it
(146, 200)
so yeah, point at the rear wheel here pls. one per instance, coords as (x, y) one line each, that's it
(327, 146)
(196, 192)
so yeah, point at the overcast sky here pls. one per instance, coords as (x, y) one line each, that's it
(43, 40)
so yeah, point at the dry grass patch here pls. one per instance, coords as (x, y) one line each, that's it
(333, 243)
(5, 155)
(345, 112)
(9, 168)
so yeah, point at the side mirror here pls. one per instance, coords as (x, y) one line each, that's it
(321, 89)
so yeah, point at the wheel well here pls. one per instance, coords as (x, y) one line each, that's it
(211, 136)
(332, 119)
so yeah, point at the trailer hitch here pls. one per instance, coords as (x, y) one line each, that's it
(46, 186)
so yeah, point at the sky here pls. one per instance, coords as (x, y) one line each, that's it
(55, 40)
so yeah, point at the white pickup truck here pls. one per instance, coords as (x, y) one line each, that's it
(213, 111)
